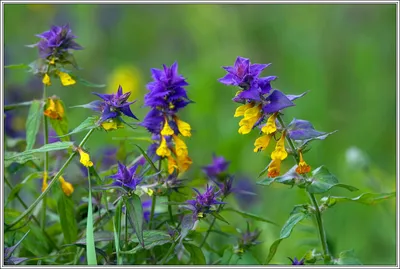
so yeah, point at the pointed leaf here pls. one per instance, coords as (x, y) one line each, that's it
(323, 180)
(17, 66)
(35, 114)
(14, 106)
(218, 216)
(250, 215)
(196, 254)
(365, 198)
(66, 211)
(134, 212)
(87, 124)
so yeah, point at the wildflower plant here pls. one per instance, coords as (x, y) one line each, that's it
(145, 204)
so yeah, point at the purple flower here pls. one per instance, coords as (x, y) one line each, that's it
(218, 166)
(113, 105)
(167, 92)
(146, 209)
(127, 177)
(247, 239)
(203, 202)
(296, 262)
(56, 41)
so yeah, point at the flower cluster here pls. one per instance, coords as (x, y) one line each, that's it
(127, 177)
(54, 47)
(166, 97)
(247, 240)
(260, 108)
(112, 107)
(203, 202)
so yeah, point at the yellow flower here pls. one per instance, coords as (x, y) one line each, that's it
(85, 158)
(54, 109)
(270, 126)
(183, 127)
(180, 147)
(52, 61)
(184, 163)
(163, 149)
(171, 165)
(261, 143)
(241, 109)
(280, 152)
(44, 183)
(46, 80)
(167, 130)
(112, 124)
(303, 167)
(66, 187)
(274, 168)
(251, 116)
(66, 79)
(149, 192)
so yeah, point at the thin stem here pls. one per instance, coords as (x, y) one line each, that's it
(318, 217)
(210, 227)
(33, 216)
(153, 206)
(168, 253)
(126, 230)
(170, 210)
(52, 182)
(46, 159)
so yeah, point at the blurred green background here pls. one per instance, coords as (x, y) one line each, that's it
(343, 54)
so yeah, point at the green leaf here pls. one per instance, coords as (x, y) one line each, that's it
(218, 216)
(66, 211)
(365, 198)
(151, 239)
(117, 230)
(249, 215)
(347, 258)
(186, 226)
(196, 254)
(323, 180)
(87, 124)
(61, 126)
(289, 178)
(99, 236)
(35, 114)
(17, 66)
(14, 106)
(148, 159)
(134, 212)
(285, 233)
(86, 83)
(15, 191)
(90, 246)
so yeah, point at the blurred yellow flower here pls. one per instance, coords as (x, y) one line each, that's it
(66, 187)
(129, 77)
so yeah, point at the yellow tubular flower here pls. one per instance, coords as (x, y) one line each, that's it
(184, 163)
(303, 167)
(274, 168)
(54, 109)
(85, 158)
(270, 126)
(183, 127)
(167, 130)
(46, 80)
(171, 165)
(163, 149)
(44, 183)
(66, 187)
(66, 79)
(261, 143)
(241, 109)
(280, 152)
(180, 147)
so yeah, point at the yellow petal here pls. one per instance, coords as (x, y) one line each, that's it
(44, 183)
(66, 187)
(270, 126)
(303, 167)
(184, 163)
(85, 158)
(252, 112)
(180, 147)
(163, 149)
(66, 79)
(241, 109)
(112, 124)
(274, 169)
(183, 127)
(261, 143)
(172, 165)
(46, 80)
(280, 152)
(167, 130)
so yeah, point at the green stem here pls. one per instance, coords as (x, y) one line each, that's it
(211, 226)
(126, 231)
(168, 253)
(170, 210)
(46, 159)
(52, 182)
(318, 217)
(34, 218)
(153, 206)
